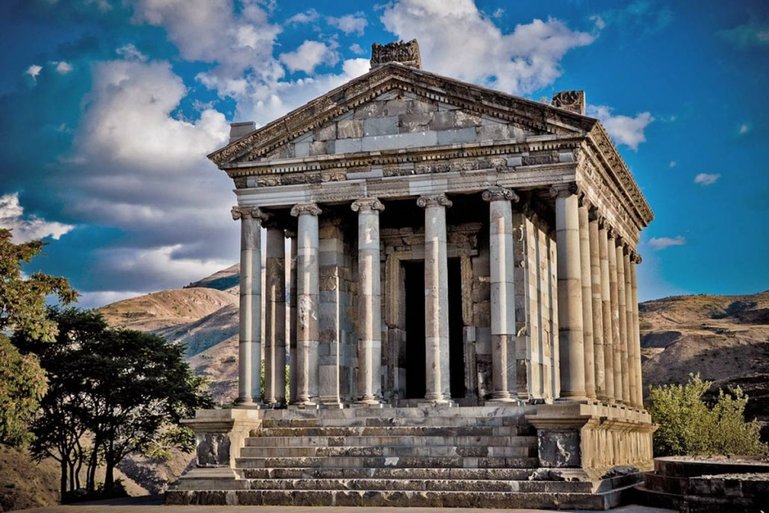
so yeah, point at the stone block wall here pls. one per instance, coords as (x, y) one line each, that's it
(397, 120)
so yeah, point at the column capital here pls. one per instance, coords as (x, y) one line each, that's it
(305, 209)
(583, 200)
(240, 212)
(434, 200)
(593, 214)
(635, 257)
(560, 190)
(500, 194)
(367, 205)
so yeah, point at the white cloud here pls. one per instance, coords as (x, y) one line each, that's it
(238, 43)
(308, 56)
(660, 243)
(33, 71)
(29, 228)
(517, 62)
(623, 129)
(308, 16)
(63, 67)
(498, 13)
(129, 52)
(706, 179)
(357, 49)
(744, 129)
(106, 297)
(349, 23)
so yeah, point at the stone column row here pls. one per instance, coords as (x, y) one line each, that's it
(597, 306)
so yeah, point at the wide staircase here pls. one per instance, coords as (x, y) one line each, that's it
(427, 456)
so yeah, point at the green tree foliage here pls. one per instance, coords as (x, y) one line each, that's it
(112, 392)
(689, 426)
(22, 300)
(22, 385)
(22, 306)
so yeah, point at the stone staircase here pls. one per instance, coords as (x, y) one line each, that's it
(425, 456)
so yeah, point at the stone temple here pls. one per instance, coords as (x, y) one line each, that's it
(451, 280)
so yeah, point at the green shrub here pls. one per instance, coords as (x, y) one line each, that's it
(688, 426)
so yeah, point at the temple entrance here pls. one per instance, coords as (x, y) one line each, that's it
(414, 277)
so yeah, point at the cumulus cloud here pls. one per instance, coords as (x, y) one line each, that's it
(34, 71)
(63, 67)
(660, 243)
(309, 55)
(129, 52)
(625, 130)
(308, 16)
(349, 23)
(519, 62)
(212, 31)
(706, 179)
(27, 228)
(357, 49)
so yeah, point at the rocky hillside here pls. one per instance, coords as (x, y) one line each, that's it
(724, 338)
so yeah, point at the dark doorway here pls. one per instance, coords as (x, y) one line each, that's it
(414, 274)
(456, 337)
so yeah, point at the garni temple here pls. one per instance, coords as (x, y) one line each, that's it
(451, 283)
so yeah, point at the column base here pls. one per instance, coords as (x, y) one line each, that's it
(368, 403)
(448, 403)
(304, 405)
(248, 404)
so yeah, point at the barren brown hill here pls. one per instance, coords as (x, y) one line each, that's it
(724, 338)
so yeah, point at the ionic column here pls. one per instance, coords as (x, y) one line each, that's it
(369, 302)
(636, 341)
(622, 305)
(595, 290)
(629, 331)
(502, 292)
(307, 290)
(615, 327)
(292, 317)
(587, 299)
(249, 346)
(606, 310)
(275, 318)
(571, 342)
(437, 379)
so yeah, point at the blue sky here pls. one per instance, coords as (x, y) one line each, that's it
(108, 107)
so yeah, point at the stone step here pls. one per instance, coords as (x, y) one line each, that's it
(452, 485)
(390, 451)
(390, 461)
(373, 441)
(387, 473)
(397, 498)
(394, 421)
(414, 431)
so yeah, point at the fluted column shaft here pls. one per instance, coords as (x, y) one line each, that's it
(622, 305)
(436, 299)
(595, 290)
(293, 366)
(629, 331)
(606, 310)
(502, 292)
(249, 345)
(369, 302)
(615, 324)
(636, 334)
(307, 291)
(571, 343)
(587, 300)
(275, 318)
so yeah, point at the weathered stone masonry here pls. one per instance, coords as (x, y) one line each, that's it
(509, 226)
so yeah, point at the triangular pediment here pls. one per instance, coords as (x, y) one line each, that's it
(397, 107)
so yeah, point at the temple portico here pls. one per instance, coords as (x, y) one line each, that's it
(451, 287)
